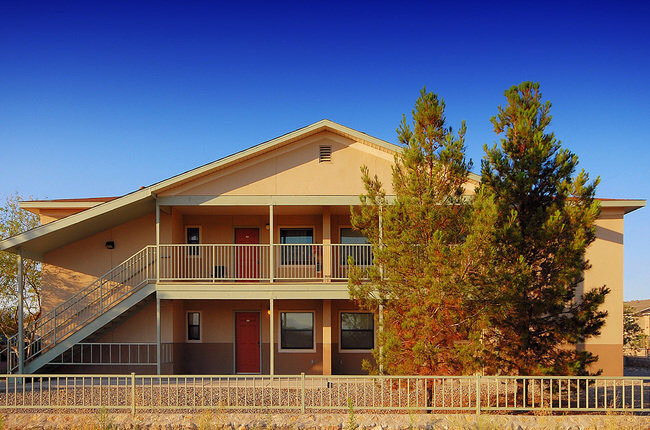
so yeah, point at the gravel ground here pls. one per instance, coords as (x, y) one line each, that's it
(320, 421)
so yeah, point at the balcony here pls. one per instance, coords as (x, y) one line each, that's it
(261, 263)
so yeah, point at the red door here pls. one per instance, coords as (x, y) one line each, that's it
(247, 257)
(247, 342)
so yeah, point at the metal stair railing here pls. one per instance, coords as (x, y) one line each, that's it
(84, 306)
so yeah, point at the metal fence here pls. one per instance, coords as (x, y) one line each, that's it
(306, 393)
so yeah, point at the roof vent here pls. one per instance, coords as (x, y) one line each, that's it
(325, 154)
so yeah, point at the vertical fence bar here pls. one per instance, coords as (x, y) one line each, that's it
(478, 394)
(302, 394)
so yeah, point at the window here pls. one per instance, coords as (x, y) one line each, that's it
(193, 326)
(193, 236)
(350, 236)
(357, 330)
(297, 330)
(362, 255)
(299, 254)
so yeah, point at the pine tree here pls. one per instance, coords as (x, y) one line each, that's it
(545, 222)
(633, 337)
(428, 250)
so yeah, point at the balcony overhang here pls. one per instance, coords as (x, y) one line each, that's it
(262, 200)
(37, 242)
(252, 291)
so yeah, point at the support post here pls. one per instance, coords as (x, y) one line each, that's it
(327, 337)
(21, 328)
(271, 249)
(381, 236)
(271, 338)
(158, 351)
(381, 306)
(380, 319)
(157, 241)
(327, 244)
(54, 328)
(132, 393)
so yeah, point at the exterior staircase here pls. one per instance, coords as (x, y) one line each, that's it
(87, 311)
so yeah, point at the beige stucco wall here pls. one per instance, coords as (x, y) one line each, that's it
(70, 268)
(295, 170)
(606, 258)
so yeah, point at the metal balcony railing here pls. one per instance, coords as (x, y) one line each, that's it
(284, 262)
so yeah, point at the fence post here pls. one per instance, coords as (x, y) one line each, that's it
(132, 393)
(302, 384)
(478, 394)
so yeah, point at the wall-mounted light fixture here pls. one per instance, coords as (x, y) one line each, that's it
(110, 244)
(267, 226)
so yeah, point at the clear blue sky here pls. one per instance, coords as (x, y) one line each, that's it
(97, 99)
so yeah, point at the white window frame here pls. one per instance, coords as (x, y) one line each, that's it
(187, 327)
(374, 331)
(313, 329)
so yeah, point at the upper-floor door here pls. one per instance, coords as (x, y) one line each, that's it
(247, 260)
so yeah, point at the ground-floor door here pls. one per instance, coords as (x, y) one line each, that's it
(247, 342)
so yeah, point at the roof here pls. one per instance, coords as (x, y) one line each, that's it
(83, 200)
(36, 205)
(103, 213)
(639, 306)
(628, 205)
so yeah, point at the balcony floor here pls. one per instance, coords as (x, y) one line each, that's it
(253, 290)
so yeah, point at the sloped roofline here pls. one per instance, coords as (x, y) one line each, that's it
(110, 213)
(144, 198)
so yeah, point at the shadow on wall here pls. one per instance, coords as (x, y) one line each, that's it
(60, 284)
(609, 235)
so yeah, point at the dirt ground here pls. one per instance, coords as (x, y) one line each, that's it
(321, 421)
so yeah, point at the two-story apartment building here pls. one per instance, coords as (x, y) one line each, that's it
(237, 266)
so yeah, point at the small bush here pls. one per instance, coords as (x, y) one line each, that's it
(352, 419)
(104, 420)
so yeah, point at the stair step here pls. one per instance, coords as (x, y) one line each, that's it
(101, 302)
(82, 333)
